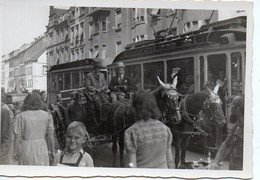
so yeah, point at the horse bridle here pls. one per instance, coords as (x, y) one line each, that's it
(170, 96)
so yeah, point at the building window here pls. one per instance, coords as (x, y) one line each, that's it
(82, 53)
(57, 35)
(96, 54)
(140, 38)
(104, 24)
(72, 35)
(96, 26)
(90, 53)
(28, 70)
(139, 14)
(44, 69)
(104, 51)
(77, 30)
(207, 21)
(195, 25)
(91, 29)
(118, 47)
(118, 19)
(77, 55)
(72, 55)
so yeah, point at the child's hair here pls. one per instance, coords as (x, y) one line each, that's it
(78, 127)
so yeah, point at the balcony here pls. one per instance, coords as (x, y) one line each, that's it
(97, 11)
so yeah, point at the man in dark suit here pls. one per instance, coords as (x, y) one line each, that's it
(121, 84)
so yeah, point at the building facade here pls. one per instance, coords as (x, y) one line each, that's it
(96, 32)
(24, 69)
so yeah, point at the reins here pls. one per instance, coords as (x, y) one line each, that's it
(193, 122)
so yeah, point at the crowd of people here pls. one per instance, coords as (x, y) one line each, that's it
(27, 137)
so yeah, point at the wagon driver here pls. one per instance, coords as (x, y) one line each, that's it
(96, 85)
(120, 84)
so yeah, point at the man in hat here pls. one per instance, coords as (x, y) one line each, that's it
(120, 84)
(96, 84)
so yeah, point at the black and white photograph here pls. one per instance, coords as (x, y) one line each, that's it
(126, 89)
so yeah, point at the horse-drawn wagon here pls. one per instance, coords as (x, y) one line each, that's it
(215, 47)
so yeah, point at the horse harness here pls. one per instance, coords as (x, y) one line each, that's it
(195, 123)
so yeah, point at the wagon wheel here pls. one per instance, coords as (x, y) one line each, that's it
(93, 140)
(59, 129)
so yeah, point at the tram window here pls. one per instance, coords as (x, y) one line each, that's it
(201, 72)
(75, 80)
(236, 73)
(151, 71)
(185, 83)
(54, 82)
(60, 82)
(67, 81)
(217, 72)
(134, 72)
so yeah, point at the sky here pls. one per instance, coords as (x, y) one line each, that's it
(21, 24)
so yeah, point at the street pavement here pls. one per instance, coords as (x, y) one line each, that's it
(103, 157)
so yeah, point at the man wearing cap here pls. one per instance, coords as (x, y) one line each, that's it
(120, 84)
(96, 85)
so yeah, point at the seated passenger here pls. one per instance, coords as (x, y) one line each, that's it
(121, 84)
(74, 155)
(96, 84)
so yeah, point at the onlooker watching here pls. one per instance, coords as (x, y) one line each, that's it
(74, 155)
(33, 128)
(148, 141)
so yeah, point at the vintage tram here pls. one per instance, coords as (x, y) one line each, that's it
(215, 50)
(201, 55)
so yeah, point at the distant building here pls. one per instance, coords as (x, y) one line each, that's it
(84, 32)
(91, 32)
(58, 37)
(25, 69)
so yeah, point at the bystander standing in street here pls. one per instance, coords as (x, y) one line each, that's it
(148, 141)
(6, 136)
(33, 128)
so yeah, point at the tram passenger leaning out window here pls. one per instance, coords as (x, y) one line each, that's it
(121, 84)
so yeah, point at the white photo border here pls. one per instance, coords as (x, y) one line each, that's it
(33, 171)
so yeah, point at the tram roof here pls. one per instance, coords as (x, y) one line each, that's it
(84, 62)
(221, 32)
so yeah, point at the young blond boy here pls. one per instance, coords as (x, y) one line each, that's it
(74, 155)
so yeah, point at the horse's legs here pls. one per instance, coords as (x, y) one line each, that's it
(114, 149)
(184, 146)
(177, 151)
(121, 149)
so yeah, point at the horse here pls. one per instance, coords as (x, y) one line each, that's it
(202, 107)
(168, 101)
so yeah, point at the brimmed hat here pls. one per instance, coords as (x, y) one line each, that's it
(119, 65)
(99, 65)
(175, 71)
